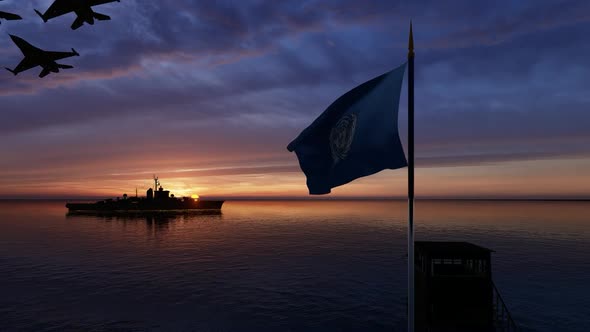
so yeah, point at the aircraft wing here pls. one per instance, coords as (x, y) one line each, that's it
(26, 64)
(9, 16)
(59, 55)
(58, 8)
(101, 2)
(23, 45)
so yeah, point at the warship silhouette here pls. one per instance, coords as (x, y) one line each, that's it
(155, 200)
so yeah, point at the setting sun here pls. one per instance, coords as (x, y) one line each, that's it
(195, 196)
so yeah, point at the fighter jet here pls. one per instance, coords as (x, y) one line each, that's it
(9, 16)
(82, 8)
(37, 57)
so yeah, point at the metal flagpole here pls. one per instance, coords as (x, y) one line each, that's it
(411, 181)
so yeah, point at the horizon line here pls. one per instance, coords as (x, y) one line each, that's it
(324, 198)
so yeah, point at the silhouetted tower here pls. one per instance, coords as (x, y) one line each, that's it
(454, 289)
(150, 194)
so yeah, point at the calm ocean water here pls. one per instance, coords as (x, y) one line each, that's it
(279, 266)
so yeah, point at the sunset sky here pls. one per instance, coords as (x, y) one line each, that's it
(207, 95)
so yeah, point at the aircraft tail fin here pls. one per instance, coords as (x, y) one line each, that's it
(101, 17)
(77, 23)
(10, 70)
(40, 15)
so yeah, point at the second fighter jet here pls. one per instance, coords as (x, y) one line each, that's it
(35, 56)
(82, 8)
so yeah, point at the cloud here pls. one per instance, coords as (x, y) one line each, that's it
(493, 83)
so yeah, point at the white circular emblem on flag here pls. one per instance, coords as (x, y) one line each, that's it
(341, 137)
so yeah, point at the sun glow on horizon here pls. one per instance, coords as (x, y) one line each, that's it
(563, 178)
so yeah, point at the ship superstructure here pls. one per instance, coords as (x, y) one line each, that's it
(156, 199)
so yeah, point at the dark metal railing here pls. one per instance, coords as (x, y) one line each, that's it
(502, 319)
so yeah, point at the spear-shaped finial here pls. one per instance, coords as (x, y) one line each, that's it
(411, 43)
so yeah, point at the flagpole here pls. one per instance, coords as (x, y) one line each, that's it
(411, 181)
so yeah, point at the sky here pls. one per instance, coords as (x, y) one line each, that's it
(207, 95)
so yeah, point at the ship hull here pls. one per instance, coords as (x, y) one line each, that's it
(132, 206)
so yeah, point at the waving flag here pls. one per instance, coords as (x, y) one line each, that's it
(356, 136)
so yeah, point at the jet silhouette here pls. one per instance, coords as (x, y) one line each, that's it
(37, 57)
(8, 16)
(82, 8)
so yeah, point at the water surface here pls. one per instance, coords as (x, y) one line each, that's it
(278, 266)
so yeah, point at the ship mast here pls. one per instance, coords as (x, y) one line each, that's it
(156, 183)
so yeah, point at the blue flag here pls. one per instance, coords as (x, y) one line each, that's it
(355, 136)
